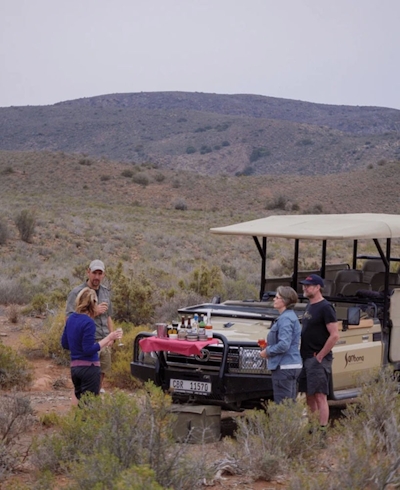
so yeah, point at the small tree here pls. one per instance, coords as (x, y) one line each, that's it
(25, 222)
(132, 296)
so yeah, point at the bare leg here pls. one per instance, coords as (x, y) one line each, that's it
(323, 408)
(74, 400)
(312, 403)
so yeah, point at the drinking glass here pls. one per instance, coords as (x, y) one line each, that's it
(120, 344)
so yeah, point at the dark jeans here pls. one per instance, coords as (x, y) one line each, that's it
(86, 378)
(284, 383)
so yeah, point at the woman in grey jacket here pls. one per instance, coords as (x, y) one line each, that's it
(283, 344)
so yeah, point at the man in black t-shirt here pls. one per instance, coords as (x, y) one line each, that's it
(319, 334)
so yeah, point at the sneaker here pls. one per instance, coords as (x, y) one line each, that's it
(102, 391)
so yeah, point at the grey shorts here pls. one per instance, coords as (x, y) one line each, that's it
(315, 376)
(105, 360)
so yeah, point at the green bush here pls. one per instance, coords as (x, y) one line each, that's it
(120, 375)
(133, 299)
(268, 442)
(206, 281)
(25, 222)
(15, 372)
(367, 440)
(190, 150)
(126, 432)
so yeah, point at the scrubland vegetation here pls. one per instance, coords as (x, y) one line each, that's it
(126, 441)
(151, 228)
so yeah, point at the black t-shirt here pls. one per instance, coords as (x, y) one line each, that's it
(314, 333)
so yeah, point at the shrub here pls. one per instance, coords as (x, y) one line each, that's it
(225, 143)
(3, 232)
(15, 371)
(266, 442)
(190, 150)
(133, 300)
(13, 291)
(26, 222)
(367, 440)
(180, 204)
(126, 433)
(258, 153)
(104, 178)
(39, 303)
(205, 281)
(205, 149)
(305, 142)
(85, 161)
(13, 314)
(141, 179)
(159, 177)
(16, 417)
(46, 343)
(277, 202)
(127, 173)
(7, 171)
(120, 375)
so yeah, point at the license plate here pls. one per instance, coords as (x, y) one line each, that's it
(185, 386)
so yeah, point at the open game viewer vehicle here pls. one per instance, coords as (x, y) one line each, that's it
(365, 294)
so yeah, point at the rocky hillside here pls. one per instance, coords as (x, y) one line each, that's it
(209, 133)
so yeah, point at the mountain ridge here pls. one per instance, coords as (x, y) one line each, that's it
(209, 133)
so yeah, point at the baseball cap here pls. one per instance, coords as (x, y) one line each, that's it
(97, 265)
(314, 280)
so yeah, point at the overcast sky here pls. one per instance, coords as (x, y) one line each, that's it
(326, 51)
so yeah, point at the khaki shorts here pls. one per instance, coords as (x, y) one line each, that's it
(105, 360)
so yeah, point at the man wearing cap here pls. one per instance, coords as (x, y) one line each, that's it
(318, 336)
(102, 319)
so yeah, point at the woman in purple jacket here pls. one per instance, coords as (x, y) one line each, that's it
(79, 338)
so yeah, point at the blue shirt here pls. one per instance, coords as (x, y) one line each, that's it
(283, 340)
(79, 338)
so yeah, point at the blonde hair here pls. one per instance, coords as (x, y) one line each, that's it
(288, 295)
(86, 301)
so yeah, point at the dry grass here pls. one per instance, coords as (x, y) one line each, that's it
(80, 216)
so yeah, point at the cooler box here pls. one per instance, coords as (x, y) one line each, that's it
(197, 423)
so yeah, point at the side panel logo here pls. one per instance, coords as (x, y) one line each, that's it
(353, 359)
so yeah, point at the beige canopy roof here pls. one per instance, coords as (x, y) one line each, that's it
(319, 226)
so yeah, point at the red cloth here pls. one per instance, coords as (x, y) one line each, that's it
(184, 347)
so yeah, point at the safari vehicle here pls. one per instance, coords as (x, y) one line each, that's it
(365, 294)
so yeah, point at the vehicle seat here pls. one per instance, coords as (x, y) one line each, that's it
(328, 288)
(352, 288)
(345, 277)
(370, 268)
(378, 280)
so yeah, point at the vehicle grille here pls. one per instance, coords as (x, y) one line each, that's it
(240, 360)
